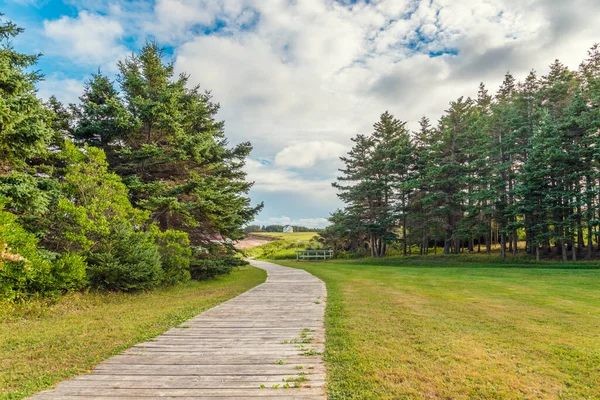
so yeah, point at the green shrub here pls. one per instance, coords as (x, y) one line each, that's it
(25, 269)
(93, 202)
(206, 269)
(202, 268)
(131, 261)
(175, 254)
(69, 272)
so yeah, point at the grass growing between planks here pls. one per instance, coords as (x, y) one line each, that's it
(42, 344)
(479, 331)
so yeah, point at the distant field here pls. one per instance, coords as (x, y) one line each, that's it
(285, 245)
(460, 329)
(288, 236)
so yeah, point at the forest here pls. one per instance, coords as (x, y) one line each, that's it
(517, 171)
(126, 190)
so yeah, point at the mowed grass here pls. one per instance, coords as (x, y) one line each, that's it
(41, 345)
(401, 331)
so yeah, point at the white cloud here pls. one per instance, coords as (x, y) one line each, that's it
(291, 74)
(67, 90)
(303, 155)
(90, 39)
(270, 178)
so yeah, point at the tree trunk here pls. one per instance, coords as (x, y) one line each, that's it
(447, 241)
(404, 233)
(488, 239)
(588, 253)
(563, 248)
(372, 245)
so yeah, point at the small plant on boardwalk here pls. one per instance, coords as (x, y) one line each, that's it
(312, 352)
(297, 381)
(280, 362)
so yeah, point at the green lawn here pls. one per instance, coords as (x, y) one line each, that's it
(41, 345)
(480, 331)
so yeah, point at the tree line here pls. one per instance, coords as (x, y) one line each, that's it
(277, 228)
(126, 190)
(520, 166)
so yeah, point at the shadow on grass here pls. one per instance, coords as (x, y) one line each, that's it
(471, 261)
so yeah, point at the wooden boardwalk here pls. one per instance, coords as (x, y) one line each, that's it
(265, 343)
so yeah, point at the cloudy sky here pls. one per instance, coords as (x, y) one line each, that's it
(299, 78)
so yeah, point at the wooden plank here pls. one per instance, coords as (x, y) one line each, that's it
(247, 347)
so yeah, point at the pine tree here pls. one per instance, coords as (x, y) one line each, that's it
(24, 132)
(371, 184)
(163, 139)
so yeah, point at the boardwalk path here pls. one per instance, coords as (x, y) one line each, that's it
(227, 352)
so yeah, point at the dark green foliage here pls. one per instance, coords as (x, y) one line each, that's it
(206, 268)
(102, 118)
(175, 255)
(520, 166)
(163, 140)
(92, 193)
(26, 270)
(373, 182)
(129, 261)
(23, 130)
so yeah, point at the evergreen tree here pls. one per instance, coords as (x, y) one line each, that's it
(371, 184)
(163, 139)
(23, 129)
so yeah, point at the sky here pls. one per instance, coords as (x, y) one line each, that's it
(300, 78)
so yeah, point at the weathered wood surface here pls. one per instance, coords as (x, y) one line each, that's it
(248, 347)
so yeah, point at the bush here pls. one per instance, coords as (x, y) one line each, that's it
(175, 254)
(206, 268)
(94, 201)
(25, 269)
(69, 272)
(131, 261)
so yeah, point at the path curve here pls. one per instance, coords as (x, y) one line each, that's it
(252, 346)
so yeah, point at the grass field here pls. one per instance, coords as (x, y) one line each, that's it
(475, 331)
(41, 345)
(285, 245)
(288, 236)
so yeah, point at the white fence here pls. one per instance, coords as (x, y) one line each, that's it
(313, 254)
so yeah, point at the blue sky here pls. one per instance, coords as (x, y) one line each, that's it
(300, 78)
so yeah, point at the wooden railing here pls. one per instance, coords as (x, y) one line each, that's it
(313, 254)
